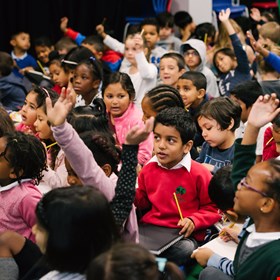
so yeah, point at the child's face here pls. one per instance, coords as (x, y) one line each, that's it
(276, 136)
(22, 41)
(224, 62)
(92, 48)
(151, 35)
(168, 146)
(5, 168)
(264, 41)
(83, 81)
(130, 51)
(41, 125)
(72, 178)
(29, 109)
(58, 75)
(247, 201)
(212, 133)
(189, 93)
(41, 237)
(116, 99)
(169, 71)
(192, 58)
(147, 109)
(165, 32)
(245, 111)
(42, 53)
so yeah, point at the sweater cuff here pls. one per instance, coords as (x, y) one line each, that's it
(71, 33)
(214, 260)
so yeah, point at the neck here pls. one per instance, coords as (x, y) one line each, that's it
(186, 35)
(267, 223)
(228, 142)
(18, 52)
(89, 97)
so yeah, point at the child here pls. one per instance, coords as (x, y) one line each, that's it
(245, 95)
(171, 67)
(233, 66)
(194, 52)
(257, 196)
(56, 175)
(151, 36)
(64, 45)
(167, 39)
(185, 23)
(118, 94)
(133, 262)
(172, 170)
(22, 161)
(43, 46)
(20, 42)
(58, 74)
(28, 113)
(87, 78)
(218, 119)
(12, 88)
(269, 34)
(192, 87)
(66, 230)
(160, 98)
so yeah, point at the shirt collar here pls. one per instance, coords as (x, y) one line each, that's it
(12, 185)
(17, 57)
(185, 162)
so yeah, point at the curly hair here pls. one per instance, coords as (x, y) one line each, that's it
(26, 154)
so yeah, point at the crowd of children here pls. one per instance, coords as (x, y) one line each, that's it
(110, 132)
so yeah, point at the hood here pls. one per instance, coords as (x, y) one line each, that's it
(197, 45)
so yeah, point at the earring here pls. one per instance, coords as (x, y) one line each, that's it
(261, 209)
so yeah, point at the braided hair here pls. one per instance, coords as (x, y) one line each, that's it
(26, 154)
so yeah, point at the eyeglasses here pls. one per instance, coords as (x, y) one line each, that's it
(3, 154)
(191, 52)
(244, 184)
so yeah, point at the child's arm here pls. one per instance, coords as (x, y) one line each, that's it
(147, 70)
(125, 190)
(242, 59)
(263, 111)
(110, 41)
(74, 35)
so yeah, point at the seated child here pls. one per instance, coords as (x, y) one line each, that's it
(194, 52)
(218, 119)
(23, 159)
(172, 170)
(184, 21)
(192, 87)
(167, 40)
(12, 88)
(171, 67)
(20, 42)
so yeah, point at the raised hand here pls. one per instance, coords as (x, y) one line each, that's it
(63, 24)
(255, 14)
(100, 30)
(224, 15)
(264, 110)
(137, 134)
(57, 114)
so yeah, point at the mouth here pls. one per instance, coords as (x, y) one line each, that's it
(161, 155)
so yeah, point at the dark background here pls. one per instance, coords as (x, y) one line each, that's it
(39, 17)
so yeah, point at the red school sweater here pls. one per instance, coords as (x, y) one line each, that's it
(156, 186)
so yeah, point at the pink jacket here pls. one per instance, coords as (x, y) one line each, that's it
(90, 173)
(131, 117)
(17, 207)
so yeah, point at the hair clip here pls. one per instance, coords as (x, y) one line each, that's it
(69, 62)
(92, 58)
(47, 93)
(161, 262)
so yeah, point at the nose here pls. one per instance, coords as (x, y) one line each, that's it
(204, 133)
(35, 123)
(161, 144)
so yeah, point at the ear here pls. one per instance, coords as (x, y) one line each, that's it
(13, 175)
(201, 93)
(107, 169)
(182, 71)
(13, 42)
(188, 146)
(231, 124)
(95, 84)
(268, 205)
(98, 55)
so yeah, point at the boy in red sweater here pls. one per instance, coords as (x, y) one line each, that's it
(172, 170)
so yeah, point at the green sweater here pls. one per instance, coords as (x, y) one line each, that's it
(263, 264)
